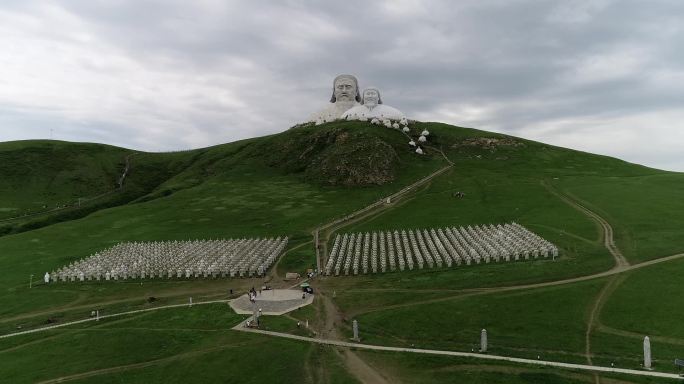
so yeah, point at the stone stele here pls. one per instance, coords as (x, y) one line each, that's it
(372, 107)
(345, 96)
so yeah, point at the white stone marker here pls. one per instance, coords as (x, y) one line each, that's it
(190, 301)
(483, 340)
(647, 353)
(355, 327)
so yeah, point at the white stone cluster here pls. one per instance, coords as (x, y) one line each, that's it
(176, 259)
(410, 249)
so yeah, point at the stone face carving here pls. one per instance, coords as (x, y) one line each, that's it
(345, 95)
(373, 108)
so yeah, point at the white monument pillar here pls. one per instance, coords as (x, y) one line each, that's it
(190, 304)
(483, 340)
(355, 327)
(647, 353)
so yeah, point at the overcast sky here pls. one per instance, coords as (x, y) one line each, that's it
(601, 76)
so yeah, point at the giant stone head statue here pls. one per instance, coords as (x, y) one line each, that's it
(345, 88)
(371, 97)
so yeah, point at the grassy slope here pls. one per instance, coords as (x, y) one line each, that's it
(195, 345)
(647, 212)
(50, 173)
(227, 191)
(550, 322)
(46, 182)
(201, 334)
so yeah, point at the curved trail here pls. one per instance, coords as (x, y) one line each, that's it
(607, 229)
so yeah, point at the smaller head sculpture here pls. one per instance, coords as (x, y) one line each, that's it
(371, 97)
(345, 88)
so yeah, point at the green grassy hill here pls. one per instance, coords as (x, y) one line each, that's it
(292, 182)
(42, 175)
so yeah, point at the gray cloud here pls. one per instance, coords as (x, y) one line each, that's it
(601, 76)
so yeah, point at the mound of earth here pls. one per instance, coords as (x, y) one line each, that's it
(488, 142)
(337, 154)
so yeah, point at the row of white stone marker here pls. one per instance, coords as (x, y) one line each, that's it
(409, 249)
(176, 259)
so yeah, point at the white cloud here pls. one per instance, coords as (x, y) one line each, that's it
(597, 76)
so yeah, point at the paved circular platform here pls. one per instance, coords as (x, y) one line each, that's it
(272, 302)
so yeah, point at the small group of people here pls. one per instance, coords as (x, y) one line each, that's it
(253, 294)
(348, 103)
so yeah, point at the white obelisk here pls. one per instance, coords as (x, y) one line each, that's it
(647, 353)
(483, 340)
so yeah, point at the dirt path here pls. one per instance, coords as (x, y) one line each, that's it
(355, 365)
(607, 230)
(593, 321)
(361, 370)
(639, 336)
(621, 265)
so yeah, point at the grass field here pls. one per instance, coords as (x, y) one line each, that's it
(290, 183)
(646, 213)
